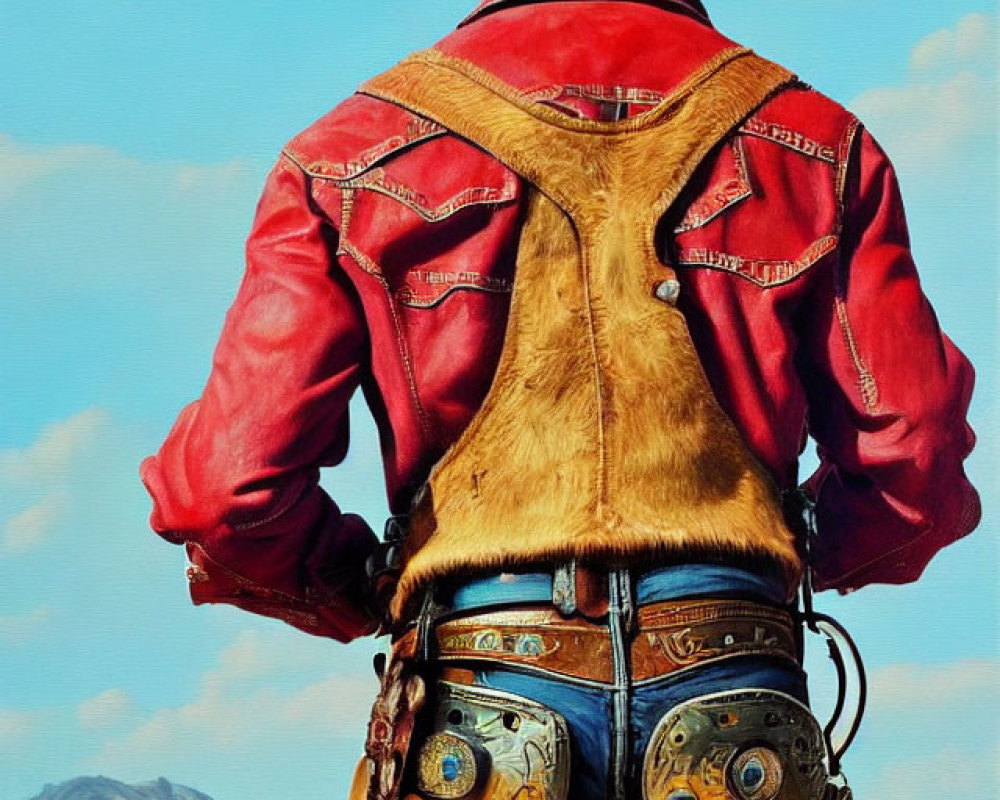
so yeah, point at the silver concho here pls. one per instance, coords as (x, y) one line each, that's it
(753, 744)
(488, 743)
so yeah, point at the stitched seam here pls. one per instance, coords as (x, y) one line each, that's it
(383, 86)
(564, 108)
(556, 95)
(245, 581)
(787, 137)
(866, 381)
(601, 484)
(742, 164)
(843, 159)
(733, 191)
(409, 296)
(282, 509)
(365, 262)
(559, 120)
(420, 131)
(434, 277)
(428, 301)
(369, 266)
(346, 210)
(501, 378)
(542, 93)
(740, 190)
(595, 92)
(785, 271)
(378, 181)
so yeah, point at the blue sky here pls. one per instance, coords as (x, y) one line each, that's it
(134, 138)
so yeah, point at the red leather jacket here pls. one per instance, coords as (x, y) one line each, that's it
(382, 256)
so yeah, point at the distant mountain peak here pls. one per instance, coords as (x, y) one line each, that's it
(101, 788)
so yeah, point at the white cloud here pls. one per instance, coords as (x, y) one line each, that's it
(192, 178)
(23, 166)
(972, 40)
(104, 710)
(20, 166)
(235, 722)
(920, 688)
(133, 235)
(15, 724)
(30, 527)
(951, 772)
(18, 628)
(257, 654)
(42, 475)
(927, 123)
(947, 109)
(236, 712)
(49, 457)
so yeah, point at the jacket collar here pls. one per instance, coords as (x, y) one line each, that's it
(692, 8)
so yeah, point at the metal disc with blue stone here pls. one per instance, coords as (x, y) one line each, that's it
(447, 767)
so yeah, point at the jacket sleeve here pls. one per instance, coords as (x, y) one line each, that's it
(237, 478)
(888, 394)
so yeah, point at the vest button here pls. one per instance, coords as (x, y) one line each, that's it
(668, 291)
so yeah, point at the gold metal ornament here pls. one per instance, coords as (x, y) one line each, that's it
(752, 744)
(756, 774)
(486, 743)
(447, 767)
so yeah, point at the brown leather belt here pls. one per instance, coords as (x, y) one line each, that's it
(669, 636)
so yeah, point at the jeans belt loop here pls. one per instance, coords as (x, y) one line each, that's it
(429, 613)
(564, 587)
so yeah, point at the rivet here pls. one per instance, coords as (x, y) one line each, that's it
(196, 575)
(668, 290)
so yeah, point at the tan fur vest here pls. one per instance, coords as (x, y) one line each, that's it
(600, 438)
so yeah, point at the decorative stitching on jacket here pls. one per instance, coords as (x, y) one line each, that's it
(596, 92)
(867, 384)
(866, 381)
(365, 262)
(843, 160)
(418, 130)
(369, 266)
(377, 180)
(346, 210)
(787, 137)
(558, 96)
(250, 587)
(283, 508)
(405, 298)
(718, 198)
(763, 272)
(643, 121)
(410, 296)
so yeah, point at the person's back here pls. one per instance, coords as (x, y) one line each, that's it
(384, 254)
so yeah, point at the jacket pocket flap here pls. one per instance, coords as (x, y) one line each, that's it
(442, 192)
(728, 184)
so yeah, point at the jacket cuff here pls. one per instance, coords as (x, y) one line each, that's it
(338, 612)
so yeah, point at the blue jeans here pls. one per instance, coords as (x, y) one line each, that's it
(588, 711)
